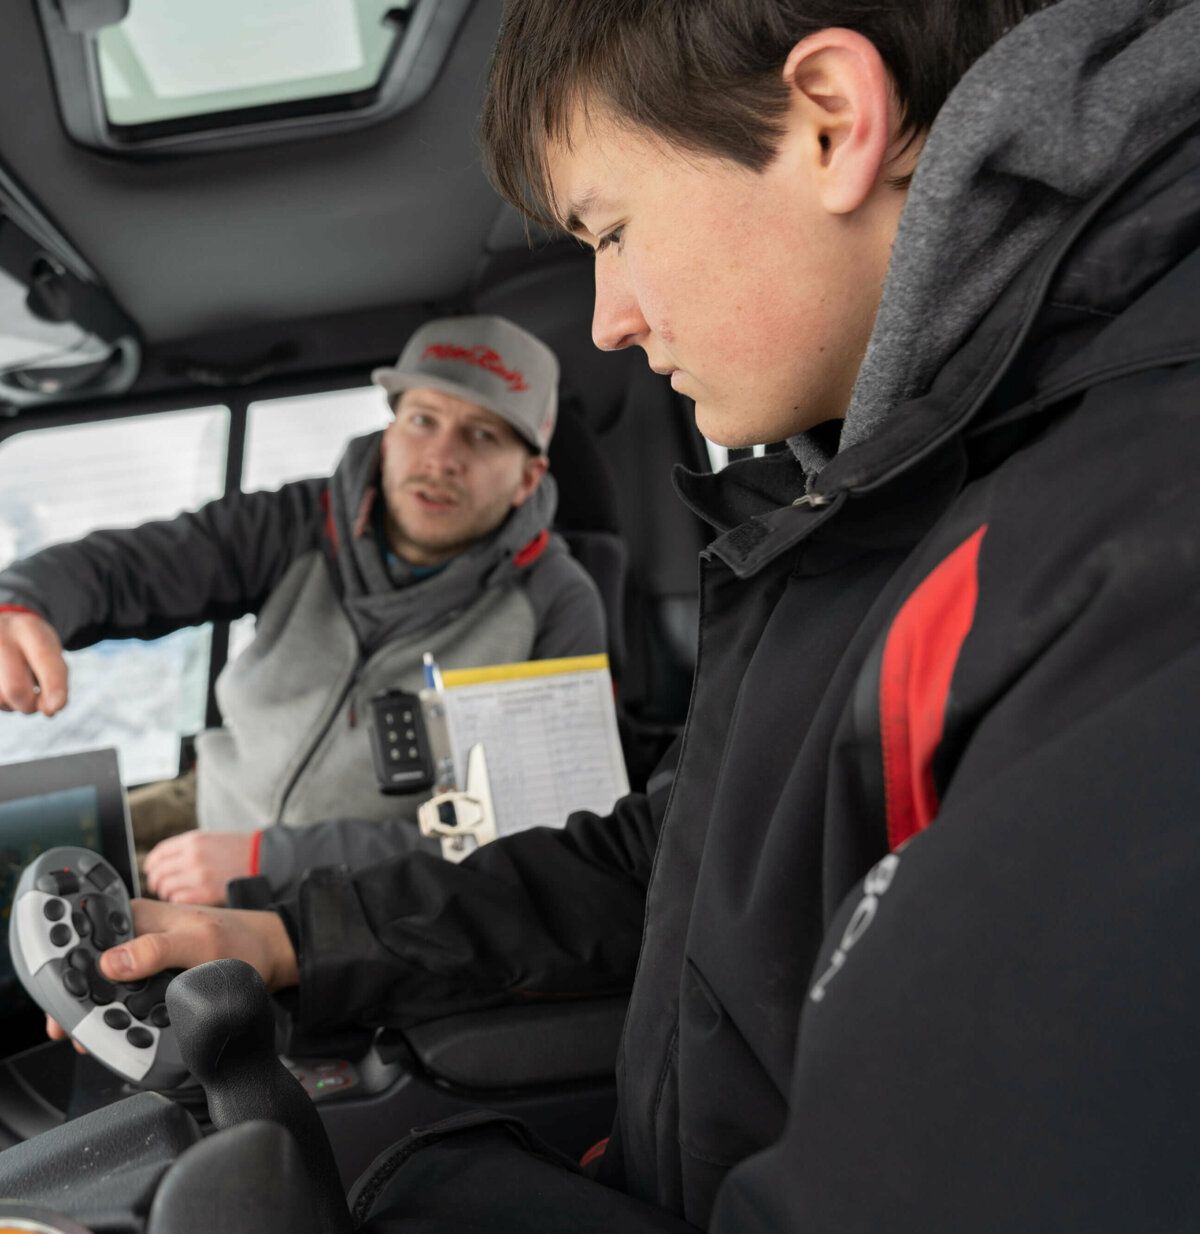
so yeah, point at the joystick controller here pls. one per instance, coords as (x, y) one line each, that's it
(70, 905)
(227, 1034)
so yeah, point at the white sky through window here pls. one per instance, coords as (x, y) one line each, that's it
(175, 58)
(202, 46)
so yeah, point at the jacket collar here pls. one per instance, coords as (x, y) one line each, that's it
(770, 493)
(1009, 332)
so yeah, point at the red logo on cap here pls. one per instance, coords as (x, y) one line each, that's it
(481, 357)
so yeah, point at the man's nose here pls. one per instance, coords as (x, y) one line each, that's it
(617, 319)
(446, 454)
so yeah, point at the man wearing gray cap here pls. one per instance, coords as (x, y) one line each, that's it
(431, 536)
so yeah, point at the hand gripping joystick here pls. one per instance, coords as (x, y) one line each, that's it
(70, 905)
(226, 1034)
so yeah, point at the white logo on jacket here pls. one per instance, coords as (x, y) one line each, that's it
(874, 885)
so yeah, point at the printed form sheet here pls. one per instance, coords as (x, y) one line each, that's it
(549, 730)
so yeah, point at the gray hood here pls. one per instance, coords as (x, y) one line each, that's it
(370, 595)
(1037, 126)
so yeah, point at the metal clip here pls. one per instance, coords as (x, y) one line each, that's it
(462, 820)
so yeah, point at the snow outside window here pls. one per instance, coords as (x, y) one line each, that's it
(58, 484)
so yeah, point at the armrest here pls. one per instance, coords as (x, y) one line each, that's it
(248, 1178)
(107, 1163)
(522, 1047)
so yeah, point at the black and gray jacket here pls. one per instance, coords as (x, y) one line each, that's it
(919, 917)
(337, 623)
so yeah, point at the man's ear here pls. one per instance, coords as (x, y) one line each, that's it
(842, 117)
(533, 470)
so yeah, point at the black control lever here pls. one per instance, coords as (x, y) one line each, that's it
(226, 1035)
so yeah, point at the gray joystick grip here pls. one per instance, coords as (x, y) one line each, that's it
(69, 907)
(226, 1034)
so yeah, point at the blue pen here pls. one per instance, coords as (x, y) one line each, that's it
(433, 674)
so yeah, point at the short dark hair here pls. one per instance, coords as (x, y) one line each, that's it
(704, 74)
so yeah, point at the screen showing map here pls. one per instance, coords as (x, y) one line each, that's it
(28, 827)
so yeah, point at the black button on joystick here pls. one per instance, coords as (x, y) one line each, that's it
(81, 958)
(58, 883)
(55, 910)
(83, 927)
(97, 909)
(102, 876)
(119, 923)
(143, 1038)
(60, 935)
(144, 1001)
(103, 992)
(114, 1017)
(75, 983)
(160, 1017)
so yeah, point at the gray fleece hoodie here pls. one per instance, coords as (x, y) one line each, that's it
(1104, 80)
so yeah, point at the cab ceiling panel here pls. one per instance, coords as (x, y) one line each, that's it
(394, 213)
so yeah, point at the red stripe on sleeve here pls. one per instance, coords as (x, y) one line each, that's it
(919, 659)
(594, 1153)
(255, 853)
(16, 608)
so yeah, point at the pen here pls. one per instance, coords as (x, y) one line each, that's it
(433, 674)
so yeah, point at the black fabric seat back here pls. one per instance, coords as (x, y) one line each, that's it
(602, 554)
(587, 519)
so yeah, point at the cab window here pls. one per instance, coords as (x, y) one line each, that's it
(60, 483)
(57, 484)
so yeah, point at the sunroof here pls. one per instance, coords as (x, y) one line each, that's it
(197, 57)
(147, 77)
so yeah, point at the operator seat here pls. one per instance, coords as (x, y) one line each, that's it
(587, 518)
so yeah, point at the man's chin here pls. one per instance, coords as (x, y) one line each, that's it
(717, 427)
(736, 430)
(423, 547)
(430, 556)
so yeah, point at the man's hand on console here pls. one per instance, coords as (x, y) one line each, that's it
(194, 867)
(179, 936)
(33, 673)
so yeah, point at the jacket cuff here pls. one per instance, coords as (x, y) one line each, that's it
(276, 859)
(16, 597)
(339, 981)
(289, 913)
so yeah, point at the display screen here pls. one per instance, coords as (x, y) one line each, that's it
(28, 827)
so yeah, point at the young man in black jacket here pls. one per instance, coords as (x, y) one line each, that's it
(917, 931)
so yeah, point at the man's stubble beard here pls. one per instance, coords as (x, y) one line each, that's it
(400, 537)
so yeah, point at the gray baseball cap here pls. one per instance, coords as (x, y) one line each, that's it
(485, 360)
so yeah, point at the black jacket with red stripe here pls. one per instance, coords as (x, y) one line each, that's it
(918, 936)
